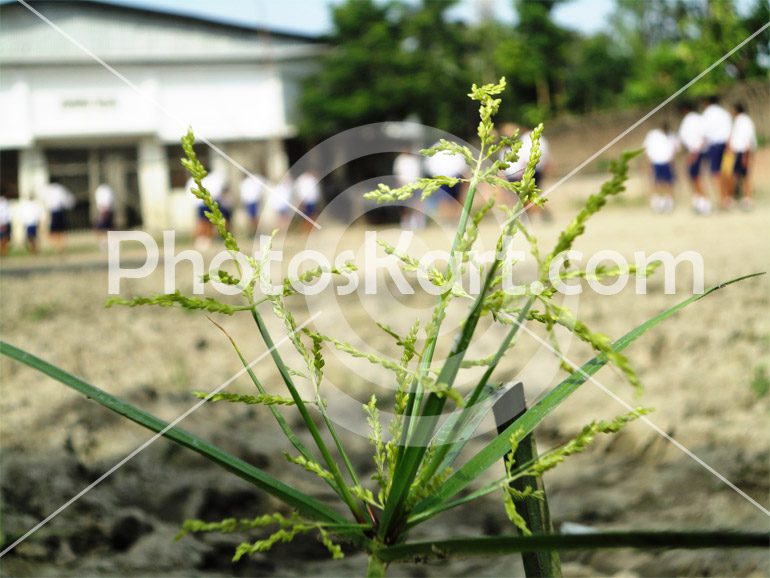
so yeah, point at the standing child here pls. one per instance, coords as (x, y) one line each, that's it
(30, 212)
(279, 199)
(448, 164)
(717, 126)
(5, 226)
(661, 147)
(104, 198)
(692, 137)
(743, 143)
(308, 195)
(251, 194)
(407, 168)
(58, 200)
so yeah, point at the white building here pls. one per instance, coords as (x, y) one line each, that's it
(64, 116)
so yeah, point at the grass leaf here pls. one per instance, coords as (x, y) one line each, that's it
(304, 504)
(498, 447)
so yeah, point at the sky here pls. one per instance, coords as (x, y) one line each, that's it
(312, 16)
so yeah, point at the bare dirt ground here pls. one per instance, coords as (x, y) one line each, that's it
(698, 369)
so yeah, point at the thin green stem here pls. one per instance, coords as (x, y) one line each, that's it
(376, 568)
(307, 418)
(284, 425)
(439, 461)
(338, 443)
(406, 468)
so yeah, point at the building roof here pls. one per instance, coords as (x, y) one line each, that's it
(122, 34)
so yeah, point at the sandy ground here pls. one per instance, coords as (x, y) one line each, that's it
(697, 368)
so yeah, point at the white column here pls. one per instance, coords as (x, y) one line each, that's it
(153, 184)
(33, 172)
(277, 159)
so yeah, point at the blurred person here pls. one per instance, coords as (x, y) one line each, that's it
(251, 195)
(451, 165)
(515, 171)
(693, 139)
(308, 196)
(203, 232)
(58, 199)
(227, 206)
(279, 199)
(104, 198)
(30, 213)
(407, 168)
(743, 143)
(661, 147)
(717, 125)
(5, 226)
(202, 228)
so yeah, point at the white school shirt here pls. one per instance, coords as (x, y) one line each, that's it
(744, 135)
(104, 197)
(251, 189)
(660, 147)
(717, 124)
(517, 168)
(280, 197)
(308, 190)
(445, 164)
(214, 183)
(57, 197)
(30, 212)
(407, 168)
(5, 212)
(691, 132)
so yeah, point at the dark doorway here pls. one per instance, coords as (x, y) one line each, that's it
(81, 170)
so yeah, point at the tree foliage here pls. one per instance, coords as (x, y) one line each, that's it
(395, 59)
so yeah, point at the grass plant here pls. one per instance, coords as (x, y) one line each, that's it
(418, 474)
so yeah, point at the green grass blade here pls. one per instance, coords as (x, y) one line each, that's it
(331, 464)
(282, 423)
(491, 546)
(467, 422)
(304, 504)
(497, 448)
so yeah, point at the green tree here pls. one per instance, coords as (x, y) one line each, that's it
(533, 57)
(596, 74)
(672, 41)
(388, 61)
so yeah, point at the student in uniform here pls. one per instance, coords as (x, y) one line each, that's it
(451, 165)
(30, 213)
(214, 183)
(717, 126)
(661, 147)
(251, 195)
(104, 198)
(58, 200)
(743, 143)
(279, 199)
(5, 226)
(515, 170)
(308, 196)
(693, 139)
(407, 168)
